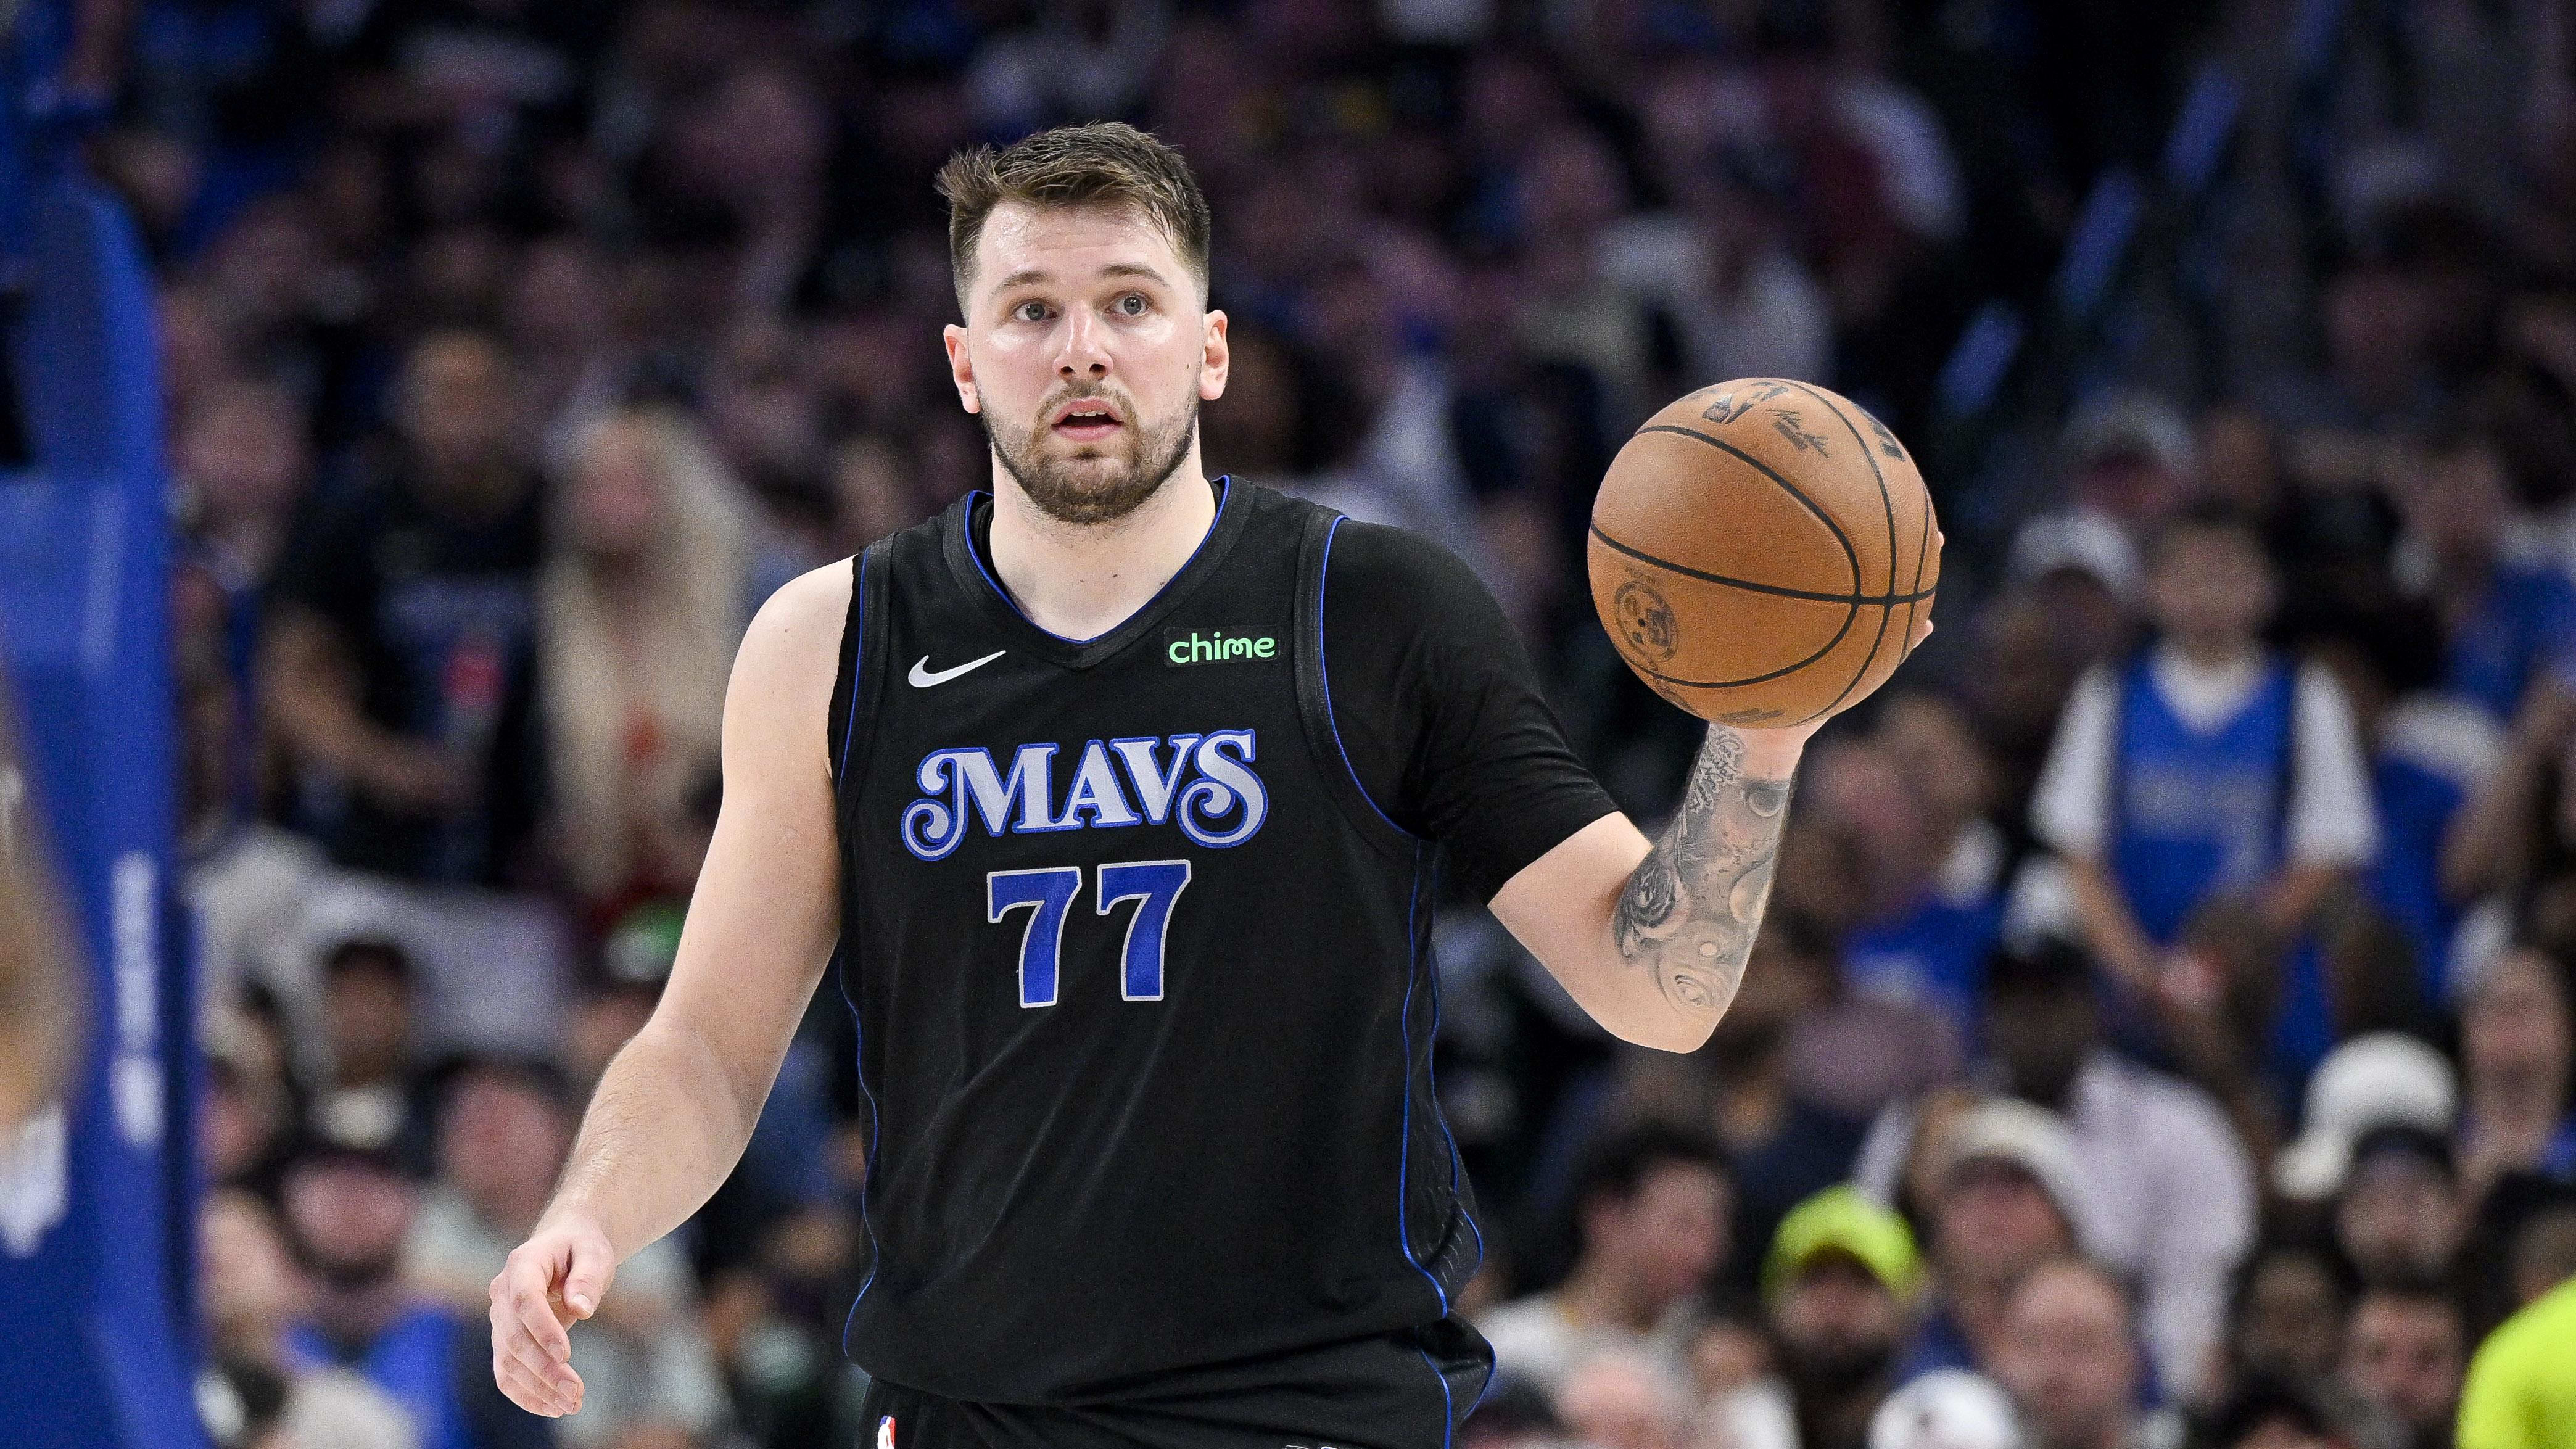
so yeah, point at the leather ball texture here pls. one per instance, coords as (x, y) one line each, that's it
(1761, 552)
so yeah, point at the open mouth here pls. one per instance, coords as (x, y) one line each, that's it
(1086, 420)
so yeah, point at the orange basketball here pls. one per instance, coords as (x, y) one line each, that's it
(1761, 551)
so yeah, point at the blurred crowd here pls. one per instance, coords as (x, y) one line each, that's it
(2162, 1030)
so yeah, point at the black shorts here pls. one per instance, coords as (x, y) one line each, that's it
(1399, 1391)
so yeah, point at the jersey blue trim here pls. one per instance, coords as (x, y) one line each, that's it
(876, 1254)
(1431, 1075)
(858, 1024)
(858, 653)
(1224, 490)
(1404, 1030)
(1323, 667)
(1448, 1405)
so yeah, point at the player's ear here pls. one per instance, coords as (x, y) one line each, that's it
(961, 369)
(1217, 355)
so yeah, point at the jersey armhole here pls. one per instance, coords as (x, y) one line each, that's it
(1315, 699)
(855, 688)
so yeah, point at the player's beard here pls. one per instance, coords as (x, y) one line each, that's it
(1077, 491)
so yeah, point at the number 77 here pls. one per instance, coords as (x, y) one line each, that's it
(1048, 892)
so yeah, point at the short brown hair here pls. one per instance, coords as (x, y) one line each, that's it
(1107, 164)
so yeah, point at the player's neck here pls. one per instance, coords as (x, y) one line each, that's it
(1083, 580)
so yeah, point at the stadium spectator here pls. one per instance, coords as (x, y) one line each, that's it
(2206, 765)
(2128, 460)
(2403, 1355)
(348, 1210)
(2012, 1194)
(242, 465)
(2073, 1363)
(2401, 1213)
(2147, 1144)
(2379, 1080)
(2286, 1318)
(397, 655)
(2517, 1038)
(1920, 938)
(374, 1094)
(1650, 1223)
(638, 613)
(1621, 1399)
(2430, 752)
(2171, 1187)
(1840, 1282)
(2505, 623)
(252, 1294)
(644, 1361)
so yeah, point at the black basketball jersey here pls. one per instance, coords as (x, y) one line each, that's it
(1142, 981)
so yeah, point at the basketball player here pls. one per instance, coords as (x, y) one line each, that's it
(1125, 794)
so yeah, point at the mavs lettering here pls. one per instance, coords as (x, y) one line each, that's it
(1205, 785)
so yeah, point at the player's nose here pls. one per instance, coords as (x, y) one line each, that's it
(1084, 353)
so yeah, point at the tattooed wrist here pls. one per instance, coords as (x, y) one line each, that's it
(1690, 909)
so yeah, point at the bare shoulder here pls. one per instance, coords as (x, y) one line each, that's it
(790, 657)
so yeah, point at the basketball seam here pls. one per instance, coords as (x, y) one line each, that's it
(1785, 669)
(1922, 549)
(1851, 559)
(1851, 555)
(1815, 595)
(1886, 505)
(1840, 631)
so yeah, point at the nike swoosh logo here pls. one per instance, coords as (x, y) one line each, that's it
(923, 677)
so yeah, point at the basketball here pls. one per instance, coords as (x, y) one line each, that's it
(1761, 551)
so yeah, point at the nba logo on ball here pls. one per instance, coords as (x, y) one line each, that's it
(885, 1432)
(1646, 620)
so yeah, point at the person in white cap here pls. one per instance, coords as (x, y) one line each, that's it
(2013, 1195)
(1946, 1409)
(2173, 1189)
(2383, 1079)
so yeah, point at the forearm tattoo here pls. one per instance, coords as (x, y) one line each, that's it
(1691, 907)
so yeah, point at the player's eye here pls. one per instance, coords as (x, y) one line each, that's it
(1133, 304)
(1029, 311)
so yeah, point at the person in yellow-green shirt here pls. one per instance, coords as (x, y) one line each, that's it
(2521, 1390)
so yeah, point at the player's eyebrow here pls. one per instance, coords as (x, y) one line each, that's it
(1029, 275)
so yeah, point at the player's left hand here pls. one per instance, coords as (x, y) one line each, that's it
(552, 1281)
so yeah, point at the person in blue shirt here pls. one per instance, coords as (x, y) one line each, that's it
(348, 1209)
(2204, 766)
(2429, 751)
(1930, 903)
(2505, 621)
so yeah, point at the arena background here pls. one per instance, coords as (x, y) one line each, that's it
(406, 401)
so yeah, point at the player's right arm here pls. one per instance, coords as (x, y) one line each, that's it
(676, 1107)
